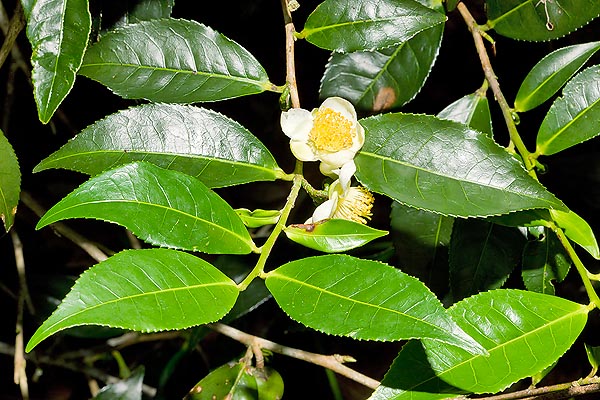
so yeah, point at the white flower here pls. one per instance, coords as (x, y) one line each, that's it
(330, 134)
(353, 203)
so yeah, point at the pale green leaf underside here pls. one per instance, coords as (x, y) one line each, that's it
(472, 110)
(572, 118)
(10, 182)
(540, 20)
(199, 142)
(444, 167)
(551, 73)
(144, 290)
(524, 332)
(174, 61)
(58, 31)
(362, 299)
(165, 208)
(362, 25)
(578, 230)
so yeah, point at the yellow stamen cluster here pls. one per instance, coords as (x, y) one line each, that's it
(356, 205)
(331, 131)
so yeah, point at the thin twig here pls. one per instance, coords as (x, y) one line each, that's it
(290, 30)
(88, 246)
(20, 375)
(332, 362)
(16, 52)
(17, 23)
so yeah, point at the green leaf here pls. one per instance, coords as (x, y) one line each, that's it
(472, 110)
(58, 31)
(259, 217)
(527, 218)
(165, 208)
(482, 256)
(333, 235)
(375, 81)
(229, 381)
(578, 230)
(524, 332)
(551, 73)
(173, 61)
(128, 389)
(196, 141)
(143, 10)
(544, 261)
(362, 299)
(10, 182)
(144, 290)
(444, 167)
(537, 20)
(572, 118)
(451, 4)
(593, 354)
(345, 27)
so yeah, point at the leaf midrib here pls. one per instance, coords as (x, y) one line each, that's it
(493, 22)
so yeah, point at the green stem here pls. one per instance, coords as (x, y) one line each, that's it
(583, 272)
(258, 269)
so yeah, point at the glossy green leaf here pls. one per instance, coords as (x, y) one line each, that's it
(378, 80)
(573, 118)
(10, 182)
(421, 240)
(537, 20)
(143, 10)
(345, 27)
(578, 230)
(524, 332)
(482, 256)
(451, 4)
(229, 381)
(259, 217)
(593, 354)
(362, 299)
(127, 389)
(144, 290)
(333, 235)
(269, 383)
(444, 167)
(472, 110)
(58, 31)
(527, 218)
(196, 141)
(174, 61)
(544, 261)
(165, 208)
(551, 73)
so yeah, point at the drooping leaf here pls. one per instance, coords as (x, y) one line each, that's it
(551, 73)
(544, 261)
(482, 256)
(444, 167)
(537, 20)
(578, 230)
(58, 31)
(127, 389)
(362, 299)
(174, 61)
(524, 332)
(10, 182)
(165, 208)
(345, 27)
(593, 354)
(259, 217)
(144, 290)
(573, 118)
(196, 141)
(378, 80)
(333, 235)
(472, 110)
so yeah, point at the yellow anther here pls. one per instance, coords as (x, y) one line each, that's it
(331, 131)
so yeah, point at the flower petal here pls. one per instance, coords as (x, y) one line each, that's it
(302, 151)
(342, 106)
(325, 210)
(346, 173)
(296, 123)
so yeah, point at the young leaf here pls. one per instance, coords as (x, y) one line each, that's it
(472, 110)
(165, 208)
(173, 61)
(127, 389)
(58, 31)
(196, 141)
(351, 26)
(144, 290)
(482, 256)
(378, 80)
(593, 354)
(10, 182)
(259, 217)
(578, 230)
(524, 332)
(551, 73)
(226, 382)
(572, 119)
(544, 261)
(538, 20)
(444, 167)
(362, 299)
